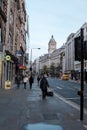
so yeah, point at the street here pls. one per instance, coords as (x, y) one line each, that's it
(24, 109)
(68, 89)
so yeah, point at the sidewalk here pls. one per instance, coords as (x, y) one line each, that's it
(24, 109)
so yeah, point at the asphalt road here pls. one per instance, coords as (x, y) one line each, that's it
(68, 89)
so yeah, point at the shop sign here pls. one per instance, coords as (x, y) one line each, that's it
(22, 67)
(8, 58)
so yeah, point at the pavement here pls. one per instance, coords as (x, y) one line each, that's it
(24, 109)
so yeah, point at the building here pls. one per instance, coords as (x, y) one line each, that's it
(77, 64)
(3, 20)
(53, 61)
(72, 66)
(51, 45)
(13, 37)
(69, 53)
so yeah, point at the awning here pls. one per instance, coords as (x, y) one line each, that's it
(22, 67)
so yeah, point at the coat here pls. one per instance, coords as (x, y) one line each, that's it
(25, 79)
(18, 79)
(31, 80)
(44, 84)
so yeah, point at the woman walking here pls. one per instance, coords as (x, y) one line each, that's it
(25, 79)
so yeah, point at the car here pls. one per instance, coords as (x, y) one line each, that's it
(65, 76)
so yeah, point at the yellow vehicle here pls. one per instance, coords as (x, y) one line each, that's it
(65, 76)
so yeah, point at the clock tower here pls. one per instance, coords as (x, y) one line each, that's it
(51, 45)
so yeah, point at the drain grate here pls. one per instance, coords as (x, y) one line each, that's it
(50, 116)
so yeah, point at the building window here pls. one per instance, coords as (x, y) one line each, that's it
(2, 4)
(86, 29)
(10, 42)
(11, 17)
(1, 38)
(0, 35)
(1, 1)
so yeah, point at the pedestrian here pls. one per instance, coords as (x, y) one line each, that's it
(38, 79)
(31, 80)
(17, 80)
(25, 79)
(43, 86)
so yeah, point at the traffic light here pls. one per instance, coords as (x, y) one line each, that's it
(77, 42)
(85, 50)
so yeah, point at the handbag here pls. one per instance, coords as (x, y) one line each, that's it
(49, 93)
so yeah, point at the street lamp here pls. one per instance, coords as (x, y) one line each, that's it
(31, 58)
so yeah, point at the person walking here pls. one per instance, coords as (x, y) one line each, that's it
(38, 79)
(43, 86)
(18, 81)
(31, 81)
(25, 79)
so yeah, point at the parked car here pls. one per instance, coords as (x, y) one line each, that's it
(65, 76)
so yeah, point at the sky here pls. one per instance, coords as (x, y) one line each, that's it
(53, 17)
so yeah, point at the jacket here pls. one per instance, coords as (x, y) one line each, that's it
(44, 84)
(25, 79)
(31, 79)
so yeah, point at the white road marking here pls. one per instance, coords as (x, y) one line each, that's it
(85, 126)
(73, 98)
(71, 88)
(59, 87)
(74, 105)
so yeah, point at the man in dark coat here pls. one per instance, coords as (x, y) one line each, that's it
(44, 85)
(38, 79)
(18, 81)
(31, 80)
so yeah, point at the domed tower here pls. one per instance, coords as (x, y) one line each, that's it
(51, 45)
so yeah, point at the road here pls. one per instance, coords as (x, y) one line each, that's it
(68, 89)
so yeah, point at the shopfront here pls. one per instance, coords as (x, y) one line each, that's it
(1, 69)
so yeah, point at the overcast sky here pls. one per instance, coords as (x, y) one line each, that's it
(53, 17)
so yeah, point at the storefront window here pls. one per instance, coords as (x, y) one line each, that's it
(0, 35)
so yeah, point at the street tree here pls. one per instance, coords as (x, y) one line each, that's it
(52, 68)
(45, 69)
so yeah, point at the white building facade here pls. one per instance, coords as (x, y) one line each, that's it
(55, 57)
(72, 66)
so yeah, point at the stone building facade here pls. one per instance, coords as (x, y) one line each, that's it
(14, 38)
(3, 20)
(51, 45)
(54, 57)
(69, 53)
(72, 66)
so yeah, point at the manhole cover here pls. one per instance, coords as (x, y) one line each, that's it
(42, 126)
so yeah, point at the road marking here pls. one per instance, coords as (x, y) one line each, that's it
(73, 98)
(71, 89)
(59, 87)
(85, 126)
(74, 105)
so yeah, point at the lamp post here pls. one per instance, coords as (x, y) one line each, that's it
(31, 58)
